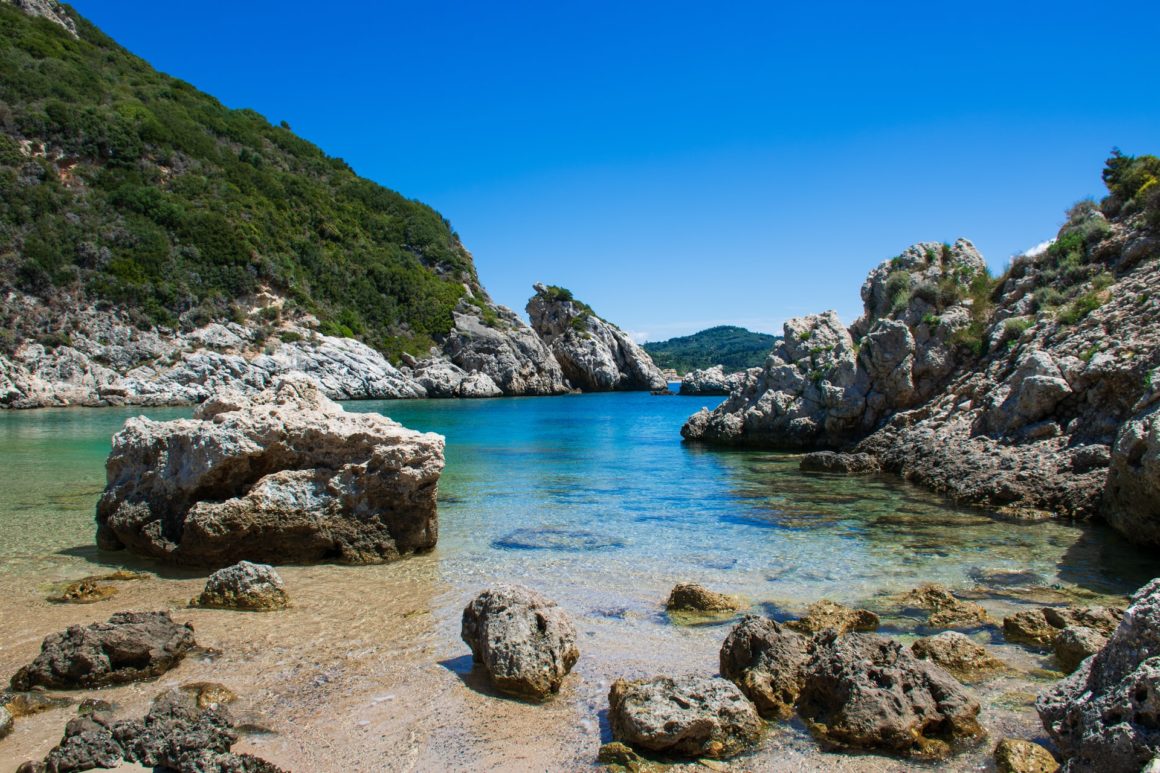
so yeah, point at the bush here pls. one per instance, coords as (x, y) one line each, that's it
(898, 291)
(1081, 307)
(1017, 326)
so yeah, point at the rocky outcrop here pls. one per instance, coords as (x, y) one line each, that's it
(962, 658)
(825, 614)
(244, 585)
(501, 346)
(130, 647)
(177, 734)
(595, 355)
(767, 661)
(284, 475)
(524, 641)
(690, 716)
(691, 597)
(47, 9)
(862, 691)
(1104, 716)
(715, 381)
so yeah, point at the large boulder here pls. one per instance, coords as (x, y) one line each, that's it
(284, 475)
(595, 355)
(499, 345)
(524, 641)
(863, 691)
(766, 660)
(691, 716)
(1106, 715)
(1131, 500)
(255, 587)
(130, 647)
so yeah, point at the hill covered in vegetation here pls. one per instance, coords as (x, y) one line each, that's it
(128, 188)
(734, 348)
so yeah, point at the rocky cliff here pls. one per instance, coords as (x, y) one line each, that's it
(595, 355)
(1033, 391)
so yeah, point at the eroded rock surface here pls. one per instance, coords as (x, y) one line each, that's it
(838, 463)
(825, 614)
(525, 642)
(961, 657)
(244, 585)
(691, 716)
(767, 661)
(715, 381)
(692, 597)
(595, 355)
(280, 476)
(130, 647)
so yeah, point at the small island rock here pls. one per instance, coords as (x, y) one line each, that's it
(525, 642)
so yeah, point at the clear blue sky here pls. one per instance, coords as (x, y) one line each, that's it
(678, 164)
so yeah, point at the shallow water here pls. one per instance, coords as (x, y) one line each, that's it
(591, 499)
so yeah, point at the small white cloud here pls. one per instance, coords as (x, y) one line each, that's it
(1039, 249)
(639, 336)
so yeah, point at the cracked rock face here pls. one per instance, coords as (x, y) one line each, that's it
(284, 475)
(595, 355)
(507, 352)
(1106, 715)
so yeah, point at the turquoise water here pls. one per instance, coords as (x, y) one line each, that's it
(597, 490)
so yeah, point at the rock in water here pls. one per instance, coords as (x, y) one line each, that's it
(6, 722)
(863, 691)
(1132, 493)
(1015, 756)
(691, 597)
(946, 611)
(1105, 716)
(1074, 645)
(595, 355)
(957, 654)
(525, 642)
(690, 716)
(130, 647)
(766, 660)
(842, 464)
(285, 475)
(825, 614)
(244, 585)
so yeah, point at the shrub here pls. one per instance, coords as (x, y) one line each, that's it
(1017, 326)
(898, 287)
(1081, 307)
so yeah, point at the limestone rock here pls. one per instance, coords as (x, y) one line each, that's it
(1016, 756)
(130, 647)
(766, 660)
(524, 641)
(595, 355)
(866, 692)
(1103, 716)
(244, 586)
(691, 716)
(825, 614)
(844, 464)
(507, 352)
(47, 9)
(961, 657)
(284, 475)
(714, 381)
(691, 597)
(1040, 627)
(1074, 645)
(444, 379)
(6, 723)
(1132, 495)
(946, 610)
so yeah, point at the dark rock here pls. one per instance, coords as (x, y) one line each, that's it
(845, 464)
(525, 642)
(825, 614)
(766, 660)
(130, 647)
(689, 716)
(691, 597)
(863, 691)
(1106, 715)
(255, 587)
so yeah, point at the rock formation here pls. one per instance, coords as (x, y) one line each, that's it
(1104, 716)
(502, 347)
(244, 585)
(767, 661)
(715, 381)
(47, 9)
(946, 610)
(525, 642)
(595, 355)
(130, 647)
(284, 475)
(691, 716)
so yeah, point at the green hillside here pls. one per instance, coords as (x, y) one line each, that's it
(733, 347)
(124, 185)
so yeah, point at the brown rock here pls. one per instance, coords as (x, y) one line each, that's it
(963, 658)
(1074, 645)
(1029, 627)
(85, 591)
(1016, 756)
(946, 610)
(825, 614)
(766, 660)
(691, 597)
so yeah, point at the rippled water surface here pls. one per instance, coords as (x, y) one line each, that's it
(592, 499)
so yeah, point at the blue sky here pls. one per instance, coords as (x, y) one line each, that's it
(679, 165)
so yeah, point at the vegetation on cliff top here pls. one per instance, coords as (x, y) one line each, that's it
(133, 188)
(735, 348)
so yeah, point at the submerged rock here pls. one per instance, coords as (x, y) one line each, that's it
(691, 716)
(1016, 756)
(960, 656)
(281, 476)
(946, 610)
(844, 464)
(86, 591)
(244, 585)
(1106, 715)
(25, 704)
(691, 597)
(766, 660)
(866, 692)
(130, 647)
(524, 641)
(595, 355)
(825, 614)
